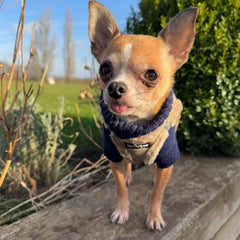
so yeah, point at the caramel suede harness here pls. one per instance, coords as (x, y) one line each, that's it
(155, 142)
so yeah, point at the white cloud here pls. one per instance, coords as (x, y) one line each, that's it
(28, 27)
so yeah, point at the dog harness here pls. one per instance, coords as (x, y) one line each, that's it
(155, 142)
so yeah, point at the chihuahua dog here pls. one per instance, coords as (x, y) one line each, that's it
(139, 110)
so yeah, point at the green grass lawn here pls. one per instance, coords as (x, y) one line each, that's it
(49, 102)
(49, 99)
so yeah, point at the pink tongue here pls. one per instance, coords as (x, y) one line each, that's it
(119, 108)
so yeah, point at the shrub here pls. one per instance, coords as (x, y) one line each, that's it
(38, 160)
(209, 83)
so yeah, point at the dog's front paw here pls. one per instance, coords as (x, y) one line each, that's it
(120, 215)
(155, 222)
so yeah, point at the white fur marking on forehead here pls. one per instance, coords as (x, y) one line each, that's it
(126, 53)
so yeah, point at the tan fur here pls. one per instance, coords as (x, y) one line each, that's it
(121, 213)
(142, 58)
(131, 56)
(161, 178)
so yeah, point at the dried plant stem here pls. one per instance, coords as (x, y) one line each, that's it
(14, 130)
(18, 40)
(86, 134)
(56, 192)
(5, 170)
(7, 165)
(31, 55)
(93, 106)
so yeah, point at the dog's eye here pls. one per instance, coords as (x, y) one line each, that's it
(151, 75)
(105, 71)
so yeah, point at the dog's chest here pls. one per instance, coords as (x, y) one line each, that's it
(146, 147)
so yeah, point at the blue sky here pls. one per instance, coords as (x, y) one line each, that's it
(9, 15)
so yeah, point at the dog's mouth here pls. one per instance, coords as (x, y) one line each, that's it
(118, 108)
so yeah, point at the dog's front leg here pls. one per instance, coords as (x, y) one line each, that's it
(121, 213)
(154, 218)
(128, 173)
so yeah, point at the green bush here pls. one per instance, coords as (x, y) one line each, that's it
(209, 83)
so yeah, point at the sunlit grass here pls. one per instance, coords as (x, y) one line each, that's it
(49, 99)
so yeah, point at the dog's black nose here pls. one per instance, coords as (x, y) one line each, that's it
(117, 89)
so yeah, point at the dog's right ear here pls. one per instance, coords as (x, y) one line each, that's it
(102, 28)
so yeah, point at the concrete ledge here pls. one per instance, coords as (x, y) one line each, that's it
(201, 202)
(231, 229)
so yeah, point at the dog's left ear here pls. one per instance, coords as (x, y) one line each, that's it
(102, 28)
(179, 35)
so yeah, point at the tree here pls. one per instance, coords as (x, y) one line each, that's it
(209, 83)
(45, 44)
(69, 47)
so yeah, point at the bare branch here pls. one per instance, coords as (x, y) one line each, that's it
(14, 129)
(86, 134)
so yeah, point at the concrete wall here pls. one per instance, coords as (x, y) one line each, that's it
(201, 202)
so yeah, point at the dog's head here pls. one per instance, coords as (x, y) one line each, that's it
(137, 71)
